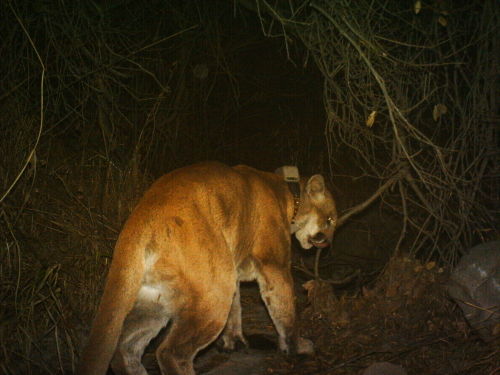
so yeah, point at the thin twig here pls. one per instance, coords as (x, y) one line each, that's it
(31, 155)
(362, 206)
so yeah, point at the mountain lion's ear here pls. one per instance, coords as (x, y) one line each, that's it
(315, 187)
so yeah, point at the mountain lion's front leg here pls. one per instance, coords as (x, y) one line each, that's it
(276, 289)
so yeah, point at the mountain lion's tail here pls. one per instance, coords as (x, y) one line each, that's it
(122, 286)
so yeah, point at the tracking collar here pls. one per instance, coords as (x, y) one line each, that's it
(292, 178)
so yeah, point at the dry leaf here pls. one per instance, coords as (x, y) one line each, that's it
(442, 21)
(309, 285)
(439, 110)
(367, 292)
(371, 119)
(392, 290)
(418, 6)
(496, 329)
(429, 266)
(343, 319)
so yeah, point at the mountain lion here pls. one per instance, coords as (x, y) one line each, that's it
(196, 233)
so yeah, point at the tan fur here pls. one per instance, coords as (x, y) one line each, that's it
(196, 233)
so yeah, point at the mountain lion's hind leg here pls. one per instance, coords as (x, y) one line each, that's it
(233, 332)
(141, 325)
(194, 327)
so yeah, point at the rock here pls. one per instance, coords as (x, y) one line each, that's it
(251, 362)
(475, 286)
